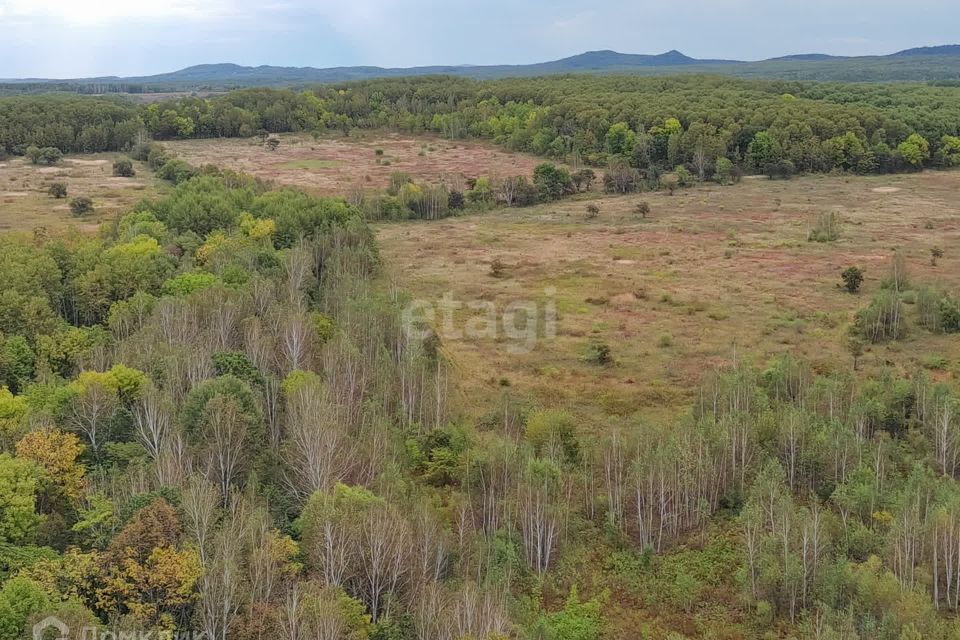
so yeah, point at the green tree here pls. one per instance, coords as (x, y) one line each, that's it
(552, 182)
(915, 150)
(20, 480)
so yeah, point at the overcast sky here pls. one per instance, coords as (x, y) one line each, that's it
(76, 38)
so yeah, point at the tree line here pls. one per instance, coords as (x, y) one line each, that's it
(651, 124)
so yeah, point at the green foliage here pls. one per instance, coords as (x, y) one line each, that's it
(123, 167)
(826, 228)
(599, 353)
(883, 319)
(552, 182)
(20, 480)
(20, 598)
(915, 150)
(576, 621)
(551, 430)
(188, 283)
(81, 206)
(852, 279)
(237, 364)
(226, 386)
(46, 156)
(57, 190)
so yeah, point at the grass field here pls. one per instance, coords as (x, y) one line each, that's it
(25, 204)
(334, 165)
(713, 274)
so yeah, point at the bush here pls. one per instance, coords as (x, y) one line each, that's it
(123, 168)
(826, 228)
(642, 209)
(598, 353)
(58, 190)
(177, 171)
(455, 200)
(552, 182)
(583, 179)
(46, 155)
(852, 279)
(81, 206)
(781, 170)
(592, 210)
(883, 320)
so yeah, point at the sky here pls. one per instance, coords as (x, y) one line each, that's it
(84, 38)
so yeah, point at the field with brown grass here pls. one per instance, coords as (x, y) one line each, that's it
(713, 274)
(334, 165)
(25, 203)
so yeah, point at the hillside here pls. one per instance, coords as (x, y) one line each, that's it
(923, 64)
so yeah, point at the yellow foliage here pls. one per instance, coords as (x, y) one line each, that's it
(56, 453)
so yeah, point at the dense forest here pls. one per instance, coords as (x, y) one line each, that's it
(650, 124)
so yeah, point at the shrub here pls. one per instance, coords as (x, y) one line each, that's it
(724, 171)
(455, 200)
(826, 228)
(177, 171)
(664, 340)
(592, 210)
(552, 182)
(781, 170)
(272, 143)
(123, 168)
(935, 254)
(852, 279)
(81, 206)
(497, 268)
(58, 190)
(583, 179)
(620, 177)
(598, 353)
(642, 209)
(883, 319)
(46, 155)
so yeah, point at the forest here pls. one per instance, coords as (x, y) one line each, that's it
(651, 124)
(213, 418)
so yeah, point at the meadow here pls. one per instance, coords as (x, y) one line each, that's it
(335, 164)
(710, 276)
(25, 202)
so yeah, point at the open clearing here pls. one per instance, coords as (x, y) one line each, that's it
(25, 204)
(715, 273)
(335, 165)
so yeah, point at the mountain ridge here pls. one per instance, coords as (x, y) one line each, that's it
(946, 58)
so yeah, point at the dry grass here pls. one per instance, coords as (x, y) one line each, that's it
(713, 274)
(334, 165)
(25, 204)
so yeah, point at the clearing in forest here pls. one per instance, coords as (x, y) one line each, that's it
(25, 202)
(334, 165)
(711, 274)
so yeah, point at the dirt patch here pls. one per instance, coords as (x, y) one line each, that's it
(886, 189)
(15, 194)
(57, 170)
(90, 163)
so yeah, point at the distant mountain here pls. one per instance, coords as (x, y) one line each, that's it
(921, 64)
(944, 50)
